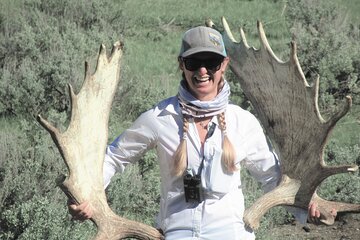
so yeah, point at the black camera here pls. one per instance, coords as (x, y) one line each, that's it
(192, 188)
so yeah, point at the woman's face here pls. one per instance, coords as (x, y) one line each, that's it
(203, 73)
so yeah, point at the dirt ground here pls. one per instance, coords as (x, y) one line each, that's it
(346, 227)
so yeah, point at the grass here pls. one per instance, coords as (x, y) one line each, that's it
(162, 24)
(351, 9)
(346, 131)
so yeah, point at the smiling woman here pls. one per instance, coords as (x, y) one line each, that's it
(201, 190)
(203, 73)
(203, 61)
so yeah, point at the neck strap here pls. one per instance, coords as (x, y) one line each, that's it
(208, 135)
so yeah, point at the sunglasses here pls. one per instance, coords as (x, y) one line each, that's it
(211, 64)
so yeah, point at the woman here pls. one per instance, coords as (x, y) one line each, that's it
(200, 140)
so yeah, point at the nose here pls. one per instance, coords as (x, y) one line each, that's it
(202, 70)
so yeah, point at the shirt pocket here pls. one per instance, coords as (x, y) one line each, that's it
(219, 180)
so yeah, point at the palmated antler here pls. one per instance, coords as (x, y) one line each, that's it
(83, 145)
(288, 109)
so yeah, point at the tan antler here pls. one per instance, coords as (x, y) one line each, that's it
(83, 145)
(288, 110)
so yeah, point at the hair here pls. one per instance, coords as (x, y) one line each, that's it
(180, 155)
(228, 153)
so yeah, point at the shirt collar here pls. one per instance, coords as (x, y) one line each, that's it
(171, 106)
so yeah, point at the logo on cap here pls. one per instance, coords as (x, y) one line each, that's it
(214, 39)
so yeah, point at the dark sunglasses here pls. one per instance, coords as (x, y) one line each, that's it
(211, 64)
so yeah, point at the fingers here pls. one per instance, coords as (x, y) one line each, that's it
(314, 213)
(80, 212)
(333, 212)
(313, 210)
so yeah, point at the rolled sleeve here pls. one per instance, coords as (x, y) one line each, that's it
(130, 146)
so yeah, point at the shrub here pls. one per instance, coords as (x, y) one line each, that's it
(39, 50)
(342, 187)
(41, 218)
(327, 46)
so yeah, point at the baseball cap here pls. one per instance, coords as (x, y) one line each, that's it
(202, 39)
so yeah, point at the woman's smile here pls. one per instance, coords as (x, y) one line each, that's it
(200, 80)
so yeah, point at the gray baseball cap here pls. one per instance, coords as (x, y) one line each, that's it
(202, 39)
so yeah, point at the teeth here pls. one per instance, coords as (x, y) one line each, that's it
(202, 79)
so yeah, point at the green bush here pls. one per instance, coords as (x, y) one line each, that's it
(327, 46)
(342, 187)
(135, 194)
(39, 50)
(32, 206)
(41, 218)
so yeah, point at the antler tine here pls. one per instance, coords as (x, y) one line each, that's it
(343, 110)
(243, 38)
(264, 42)
(102, 58)
(209, 23)
(73, 96)
(229, 34)
(227, 29)
(328, 219)
(116, 46)
(47, 125)
(294, 60)
(316, 98)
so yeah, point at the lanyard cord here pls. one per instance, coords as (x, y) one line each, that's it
(208, 135)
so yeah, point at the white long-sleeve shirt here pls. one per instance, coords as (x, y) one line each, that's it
(220, 214)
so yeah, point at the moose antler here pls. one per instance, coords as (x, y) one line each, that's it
(288, 109)
(83, 144)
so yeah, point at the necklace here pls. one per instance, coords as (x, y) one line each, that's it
(204, 124)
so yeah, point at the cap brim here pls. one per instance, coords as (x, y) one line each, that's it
(201, 49)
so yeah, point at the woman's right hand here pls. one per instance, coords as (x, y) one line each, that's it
(81, 211)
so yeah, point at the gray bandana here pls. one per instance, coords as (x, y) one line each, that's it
(198, 109)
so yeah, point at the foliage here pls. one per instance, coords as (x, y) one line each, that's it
(342, 187)
(327, 46)
(41, 43)
(40, 218)
(20, 165)
(32, 206)
(133, 100)
(135, 193)
(43, 46)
